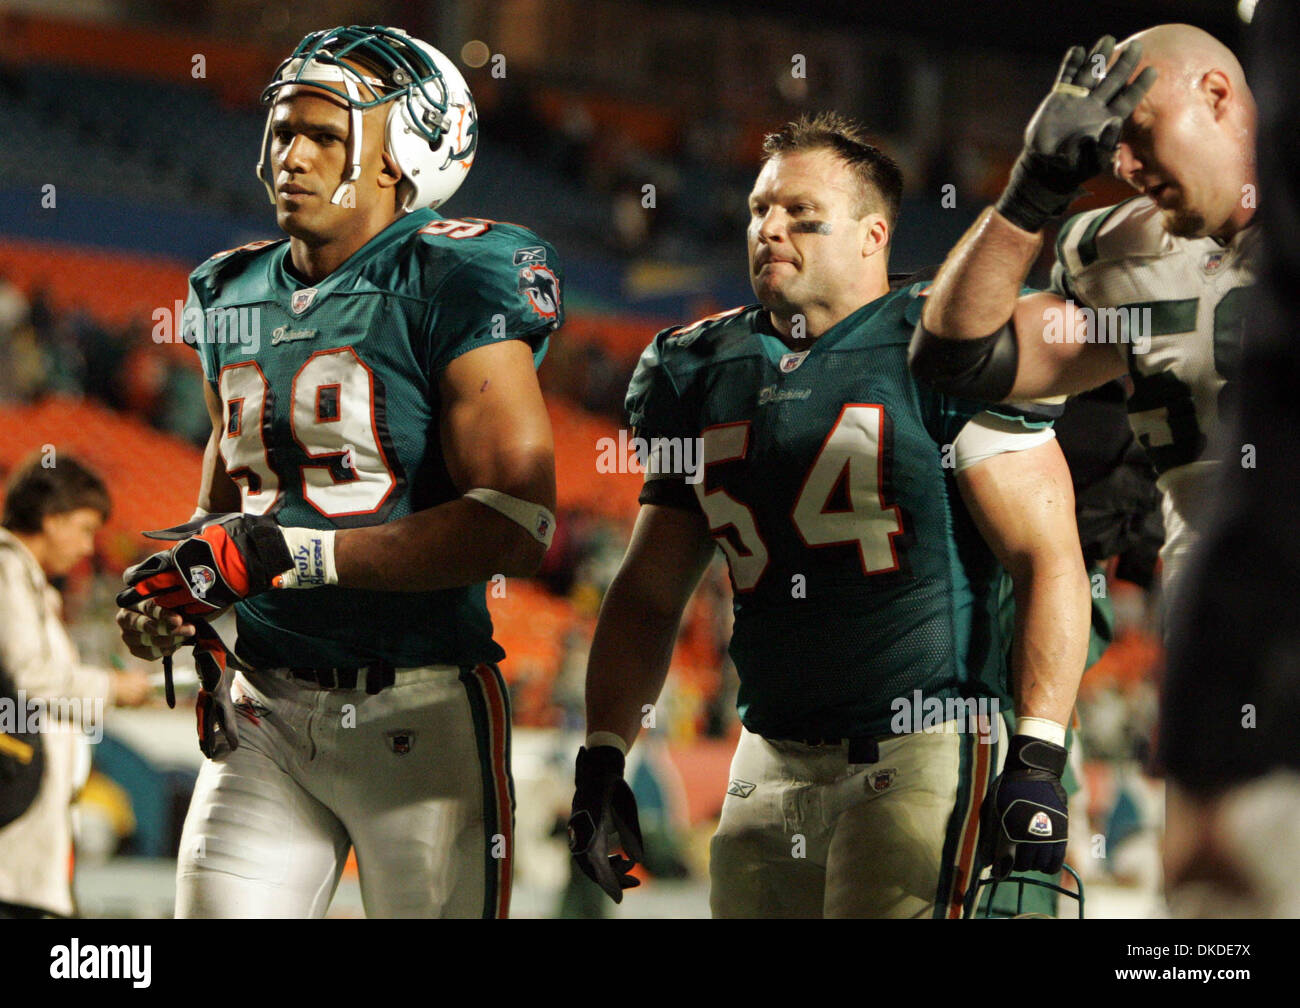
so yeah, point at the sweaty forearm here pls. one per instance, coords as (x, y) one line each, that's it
(628, 663)
(1053, 609)
(975, 292)
(461, 542)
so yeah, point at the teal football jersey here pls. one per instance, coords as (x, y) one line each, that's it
(330, 407)
(828, 482)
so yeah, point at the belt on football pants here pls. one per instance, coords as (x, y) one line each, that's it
(373, 677)
(864, 749)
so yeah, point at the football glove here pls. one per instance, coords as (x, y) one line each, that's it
(219, 560)
(604, 815)
(215, 707)
(1025, 820)
(1073, 135)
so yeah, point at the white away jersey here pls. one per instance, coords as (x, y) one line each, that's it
(1185, 301)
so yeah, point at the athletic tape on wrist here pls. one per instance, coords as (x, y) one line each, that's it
(1041, 728)
(536, 520)
(609, 738)
(312, 551)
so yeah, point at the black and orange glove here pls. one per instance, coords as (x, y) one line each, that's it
(215, 707)
(219, 560)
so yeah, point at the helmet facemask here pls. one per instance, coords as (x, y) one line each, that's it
(432, 125)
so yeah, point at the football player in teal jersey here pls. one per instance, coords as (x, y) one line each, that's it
(380, 449)
(866, 519)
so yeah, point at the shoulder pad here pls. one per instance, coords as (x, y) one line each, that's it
(1126, 230)
(454, 240)
(680, 337)
(225, 265)
(473, 233)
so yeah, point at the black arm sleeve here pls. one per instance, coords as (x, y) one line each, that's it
(670, 492)
(982, 369)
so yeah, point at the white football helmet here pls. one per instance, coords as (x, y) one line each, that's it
(432, 130)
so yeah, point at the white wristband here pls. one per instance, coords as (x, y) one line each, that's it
(1041, 728)
(609, 738)
(536, 520)
(313, 558)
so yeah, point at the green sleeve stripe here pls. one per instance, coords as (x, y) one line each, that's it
(1088, 241)
(1066, 228)
(1166, 317)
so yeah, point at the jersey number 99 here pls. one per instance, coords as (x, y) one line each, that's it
(333, 421)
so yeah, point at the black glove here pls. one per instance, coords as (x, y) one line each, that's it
(1025, 820)
(215, 707)
(1072, 136)
(604, 815)
(220, 560)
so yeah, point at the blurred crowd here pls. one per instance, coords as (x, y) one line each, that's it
(44, 351)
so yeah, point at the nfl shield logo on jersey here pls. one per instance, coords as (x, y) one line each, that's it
(302, 300)
(1213, 261)
(791, 361)
(201, 579)
(1040, 825)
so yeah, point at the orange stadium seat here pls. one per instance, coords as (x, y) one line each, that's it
(113, 287)
(153, 477)
(580, 485)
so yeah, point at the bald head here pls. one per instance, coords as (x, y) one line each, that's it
(1190, 143)
(1183, 54)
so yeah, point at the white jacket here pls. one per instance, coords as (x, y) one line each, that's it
(36, 848)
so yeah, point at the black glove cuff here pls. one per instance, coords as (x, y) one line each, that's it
(1037, 192)
(1029, 753)
(261, 540)
(600, 763)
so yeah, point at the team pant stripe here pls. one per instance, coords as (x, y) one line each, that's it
(962, 847)
(969, 845)
(490, 709)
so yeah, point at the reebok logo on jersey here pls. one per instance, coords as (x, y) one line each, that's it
(302, 299)
(1041, 824)
(740, 788)
(201, 579)
(532, 254)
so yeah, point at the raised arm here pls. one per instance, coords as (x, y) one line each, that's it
(977, 337)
